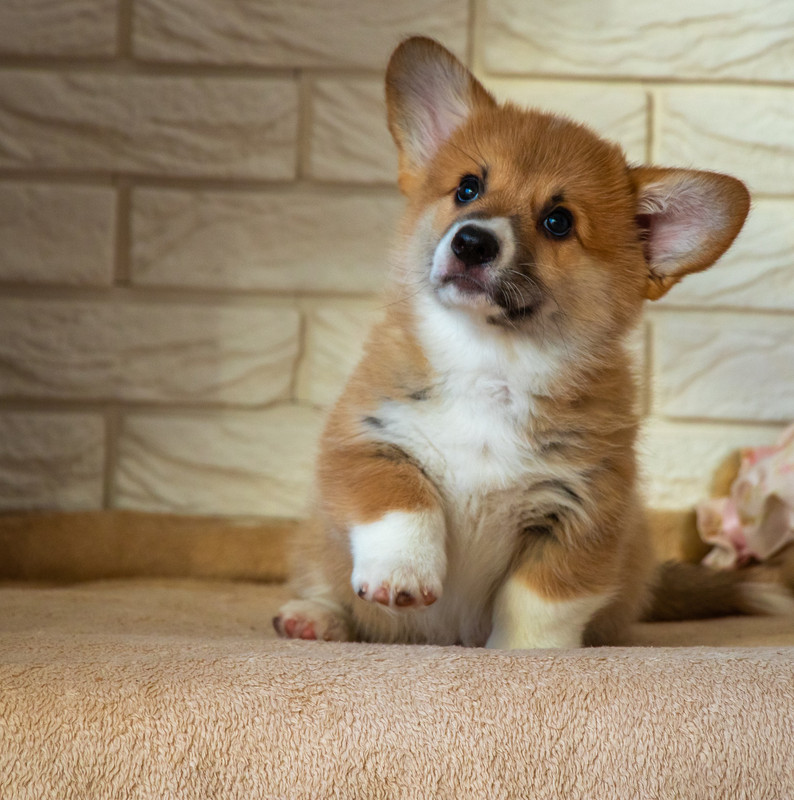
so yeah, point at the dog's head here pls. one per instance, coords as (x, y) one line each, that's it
(520, 218)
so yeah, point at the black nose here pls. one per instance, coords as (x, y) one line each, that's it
(475, 246)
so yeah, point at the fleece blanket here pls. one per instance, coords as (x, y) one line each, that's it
(178, 689)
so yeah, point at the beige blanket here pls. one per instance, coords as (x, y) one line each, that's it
(158, 689)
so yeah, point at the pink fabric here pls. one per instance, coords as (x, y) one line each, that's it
(757, 518)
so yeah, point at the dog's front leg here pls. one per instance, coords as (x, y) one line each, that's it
(399, 559)
(395, 523)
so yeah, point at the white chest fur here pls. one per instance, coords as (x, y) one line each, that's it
(471, 438)
(472, 432)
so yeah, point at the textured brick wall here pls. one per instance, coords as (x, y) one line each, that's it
(196, 200)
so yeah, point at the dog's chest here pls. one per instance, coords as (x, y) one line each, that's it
(471, 438)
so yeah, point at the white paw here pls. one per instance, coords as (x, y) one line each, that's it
(311, 619)
(399, 560)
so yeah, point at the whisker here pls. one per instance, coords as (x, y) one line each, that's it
(420, 284)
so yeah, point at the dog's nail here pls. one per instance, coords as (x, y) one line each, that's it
(308, 632)
(381, 596)
(362, 592)
(277, 623)
(429, 597)
(404, 599)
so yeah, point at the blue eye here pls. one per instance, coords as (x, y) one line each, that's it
(558, 223)
(468, 189)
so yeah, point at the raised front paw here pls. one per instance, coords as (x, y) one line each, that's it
(399, 560)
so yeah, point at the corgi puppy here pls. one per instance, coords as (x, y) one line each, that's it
(477, 480)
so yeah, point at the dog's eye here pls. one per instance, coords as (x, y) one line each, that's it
(558, 222)
(468, 189)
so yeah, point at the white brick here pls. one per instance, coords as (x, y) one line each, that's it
(163, 352)
(350, 140)
(335, 337)
(51, 461)
(721, 366)
(321, 240)
(695, 38)
(679, 460)
(56, 234)
(310, 33)
(224, 463)
(757, 271)
(745, 132)
(55, 28)
(213, 127)
(619, 114)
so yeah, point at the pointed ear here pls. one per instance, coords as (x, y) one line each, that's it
(429, 94)
(687, 220)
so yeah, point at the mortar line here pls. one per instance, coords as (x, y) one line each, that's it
(650, 125)
(300, 355)
(124, 64)
(154, 296)
(109, 177)
(714, 422)
(207, 409)
(124, 43)
(111, 462)
(305, 126)
(123, 237)
(472, 50)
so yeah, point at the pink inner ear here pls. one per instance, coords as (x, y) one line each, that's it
(675, 223)
(439, 104)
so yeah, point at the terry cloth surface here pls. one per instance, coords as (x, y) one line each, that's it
(178, 689)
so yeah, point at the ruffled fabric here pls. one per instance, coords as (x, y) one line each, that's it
(756, 520)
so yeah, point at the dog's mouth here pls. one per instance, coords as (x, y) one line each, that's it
(516, 304)
(467, 284)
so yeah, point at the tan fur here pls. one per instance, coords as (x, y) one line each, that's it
(580, 530)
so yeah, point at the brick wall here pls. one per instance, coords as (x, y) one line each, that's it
(196, 200)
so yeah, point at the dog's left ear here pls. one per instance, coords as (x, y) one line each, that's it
(687, 221)
(429, 94)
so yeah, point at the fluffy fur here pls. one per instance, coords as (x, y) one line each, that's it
(477, 480)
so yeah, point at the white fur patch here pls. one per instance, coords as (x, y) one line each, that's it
(402, 551)
(522, 620)
(472, 433)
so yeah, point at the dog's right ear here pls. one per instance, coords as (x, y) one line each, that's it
(429, 94)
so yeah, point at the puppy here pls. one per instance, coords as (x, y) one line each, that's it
(477, 481)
